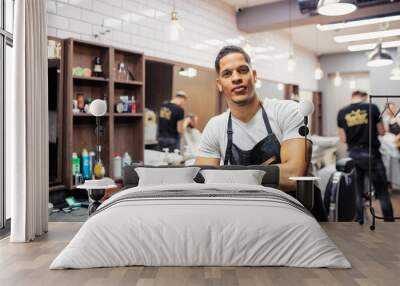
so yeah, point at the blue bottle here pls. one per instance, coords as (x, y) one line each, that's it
(86, 165)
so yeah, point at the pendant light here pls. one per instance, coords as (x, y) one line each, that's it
(318, 72)
(291, 64)
(175, 27)
(247, 47)
(352, 84)
(337, 81)
(379, 57)
(336, 7)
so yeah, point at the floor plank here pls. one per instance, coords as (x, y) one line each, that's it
(375, 257)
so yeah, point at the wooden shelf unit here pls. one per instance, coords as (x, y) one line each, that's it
(123, 132)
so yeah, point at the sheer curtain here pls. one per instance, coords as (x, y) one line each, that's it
(27, 124)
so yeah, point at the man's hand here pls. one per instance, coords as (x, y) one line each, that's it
(293, 162)
(342, 135)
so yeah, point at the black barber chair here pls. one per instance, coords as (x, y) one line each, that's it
(340, 193)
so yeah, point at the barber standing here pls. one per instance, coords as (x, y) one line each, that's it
(171, 122)
(353, 126)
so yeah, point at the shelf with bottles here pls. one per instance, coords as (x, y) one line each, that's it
(128, 137)
(85, 137)
(128, 67)
(83, 95)
(119, 162)
(128, 100)
(90, 61)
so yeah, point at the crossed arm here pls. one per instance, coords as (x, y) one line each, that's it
(292, 164)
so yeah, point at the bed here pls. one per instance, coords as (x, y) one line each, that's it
(201, 224)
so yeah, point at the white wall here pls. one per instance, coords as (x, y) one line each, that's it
(269, 89)
(377, 78)
(143, 25)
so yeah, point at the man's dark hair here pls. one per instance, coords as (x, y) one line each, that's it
(181, 94)
(230, 50)
(359, 93)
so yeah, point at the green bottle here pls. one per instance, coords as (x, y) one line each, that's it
(76, 164)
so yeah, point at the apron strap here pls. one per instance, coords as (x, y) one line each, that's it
(266, 121)
(228, 153)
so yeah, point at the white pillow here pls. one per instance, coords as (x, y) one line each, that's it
(166, 176)
(248, 177)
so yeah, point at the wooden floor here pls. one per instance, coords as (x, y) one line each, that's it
(375, 257)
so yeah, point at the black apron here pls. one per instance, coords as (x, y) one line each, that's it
(267, 148)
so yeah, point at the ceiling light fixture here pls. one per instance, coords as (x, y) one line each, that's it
(371, 46)
(379, 57)
(336, 7)
(175, 27)
(357, 23)
(188, 72)
(367, 36)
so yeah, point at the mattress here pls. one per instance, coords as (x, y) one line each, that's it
(201, 225)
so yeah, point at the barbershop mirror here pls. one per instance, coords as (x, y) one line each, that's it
(200, 86)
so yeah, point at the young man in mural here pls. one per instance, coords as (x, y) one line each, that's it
(252, 132)
(353, 128)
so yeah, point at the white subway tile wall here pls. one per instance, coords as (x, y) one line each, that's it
(143, 25)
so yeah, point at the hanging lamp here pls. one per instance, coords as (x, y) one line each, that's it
(175, 27)
(337, 81)
(379, 57)
(336, 7)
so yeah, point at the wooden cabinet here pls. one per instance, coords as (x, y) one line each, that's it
(317, 115)
(122, 132)
(55, 108)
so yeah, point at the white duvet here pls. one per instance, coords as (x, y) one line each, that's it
(188, 231)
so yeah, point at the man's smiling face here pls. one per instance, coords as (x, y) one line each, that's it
(236, 79)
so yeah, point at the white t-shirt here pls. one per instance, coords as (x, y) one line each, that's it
(283, 117)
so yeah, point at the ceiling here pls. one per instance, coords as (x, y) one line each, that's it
(310, 38)
(247, 3)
